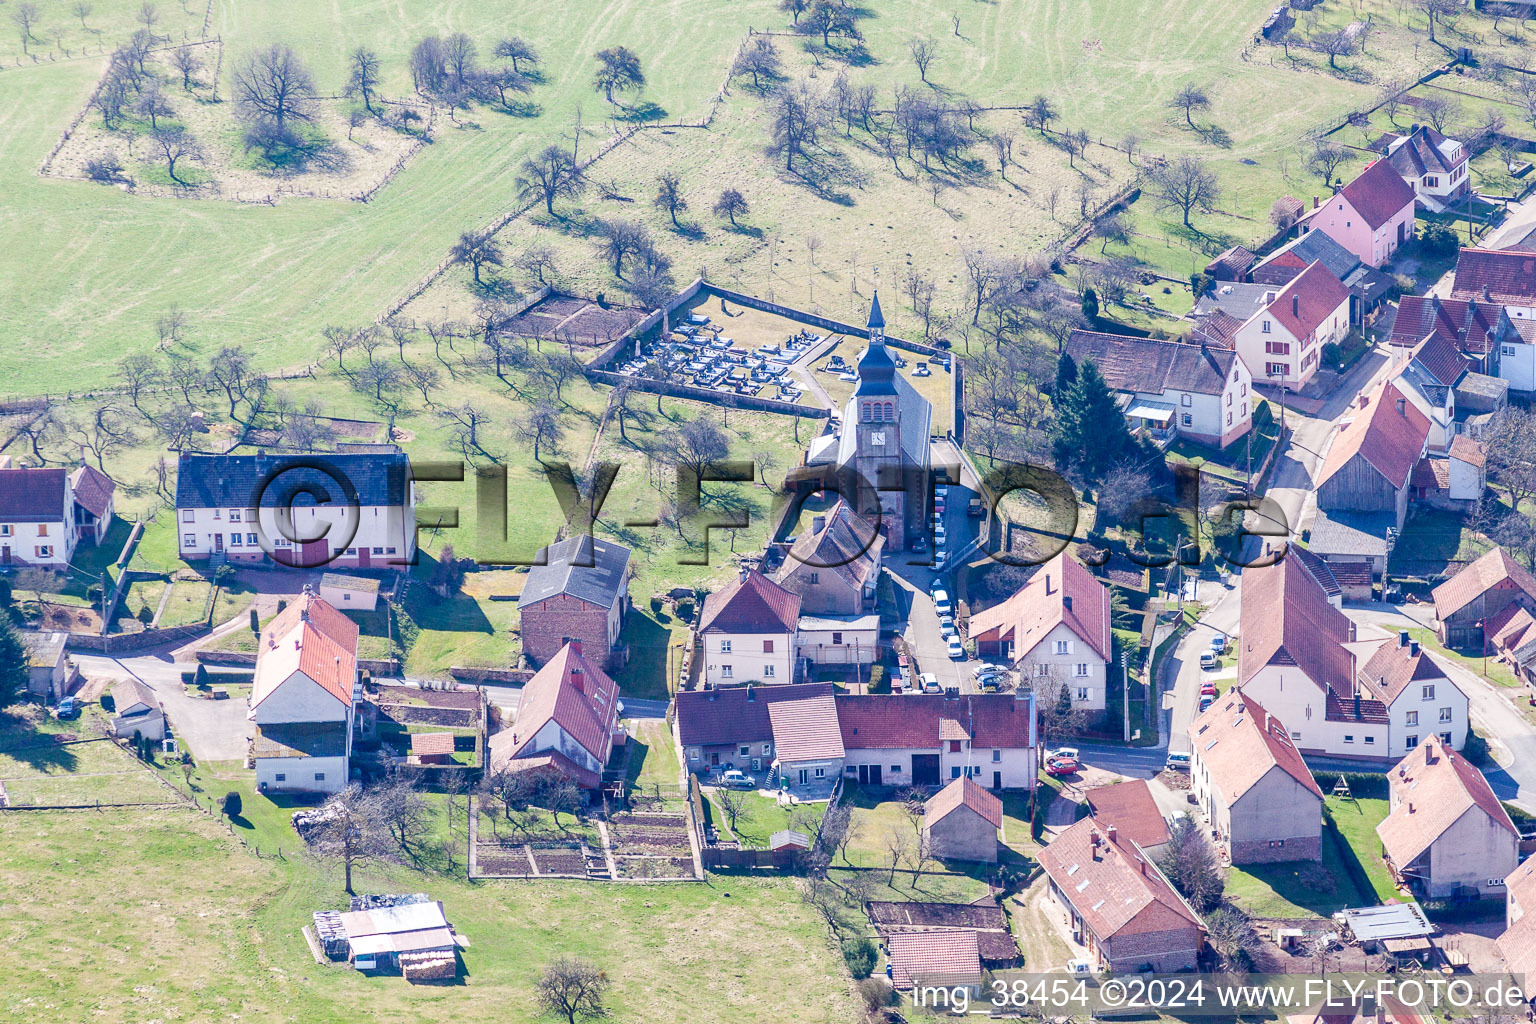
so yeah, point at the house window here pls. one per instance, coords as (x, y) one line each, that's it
(954, 746)
(280, 777)
(1082, 668)
(767, 671)
(186, 515)
(218, 513)
(821, 773)
(997, 755)
(1445, 714)
(1445, 738)
(725, 647)
(1229, 398)
(189, 540)
(1432, 180)
(1229, 419)
(1509, 350)
(1429, 691)
(693, 754)
(378, 550)
(767, 646)
(1243, 390)
(5, 530)
(44, 551)
(1063, 647)
(1370, 741)
(954, 772)
(250, 540)
(1295, 735)
(1349, 739)
(319, 776)
(1186, 400)
(745, 750)
(813, 577)
(1266, 327)
(1412, 718)
(1277, 348)
(767, 749)
(234, 540)
(1189, 420)
(837, 638)
(725, 671)
(1413, 741)
(1082, 693)
(234, 515)
(389, 551)
(1276, 369)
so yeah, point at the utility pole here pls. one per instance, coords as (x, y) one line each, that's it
(1125, 682)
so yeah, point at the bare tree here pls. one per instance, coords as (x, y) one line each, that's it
(730, 205)
(176, 144)
(1334, 45)
(1039, 114)
(1325, 159)
(138, 372)
(184, 59)
(1185, 184)
(363, 75)
(230, 369)
(1189, 99)
(923, 50)
(550, 175)
(898, 847)
(669, 196)
(573, 989)
(171, 326)
(1112, 227)
(351, 827)
(1439, 110)
(82, 10)
(516, 50)
(799, 115)
(274, 85)
(759, 58)
(25, 16)
(477, 249)
(1438, 10)
(618, 70)
(732, 803)
(1002, 145)
(538, 260)
(1511, 450)
(148, 16)
(542, 428)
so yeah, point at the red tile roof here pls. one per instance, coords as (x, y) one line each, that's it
(1440, 358)
(1465, 449)
(1510, 628)
(1470, 325)
(735, 714)
(805, 729)
(573, 693)
(556, 762)
(1287, 620)
(1394, 666)
(1518, 942)
(432, 743)
(1041, 605)
(1493, 568)
(1240, 742)
(1308, 300)
(754, 604)
(1131, 808)
(917, 721)
(964, 792)
(1115, 888)
(1388, 436)
(1504, 276)
(1378, 193)
(312, 637)
(93, 490)
(1433, 788)
(33, 495)
(936, 957)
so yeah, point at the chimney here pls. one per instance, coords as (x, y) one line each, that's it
(818, 524)
(1048, 589)
(1365, 400)
(1357, 705)
(575, 646)
(751, 693)
(743, 574)
(1402, 638)
(1487, 295)
(1066, 602)
(1110, 832)
(1295, 305)
(1413, 648)
(1402, 404)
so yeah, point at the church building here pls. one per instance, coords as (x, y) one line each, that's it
(883, 454)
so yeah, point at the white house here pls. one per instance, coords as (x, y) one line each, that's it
(136, 709)
(304, 698)
(1298, 658)
(1427, 378)
(351, 509)
(1434, 165)
(928, 740)
(566, 721)
(1055, 627)
(838, 639)
(1284, 339)
(1172, 388)
(747, 632)
(37, 523)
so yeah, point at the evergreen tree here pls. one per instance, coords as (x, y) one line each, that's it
(13, 662)
(1066, 373)
(1090, 431)
(1090, 304)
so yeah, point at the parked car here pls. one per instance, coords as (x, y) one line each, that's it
(1210, 659)
(1060, 753)
(946, 624)
(1177, 762)
(1207, 687)
(987, 667)
(1065, 766)
(735, 779)
(941, 602)
(930, 682)
(973, 508)
(956, 651)
(1079, 966)
(941, 491)
(1219, 643)
(68, 709)
(939, 535)
(1206, 701)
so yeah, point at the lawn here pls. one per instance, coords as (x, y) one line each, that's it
(1301, 889)
(652, 755)
(187, 603)
(199, 926)
(762, 816)
(1471, 660)
(656, 641)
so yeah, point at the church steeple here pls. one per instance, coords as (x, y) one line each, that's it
(877, 370)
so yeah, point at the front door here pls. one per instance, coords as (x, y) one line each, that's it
(714, 760)
(218, 542)
(874, 775)
(362, 557)
(805, 776)
(5, 555)
(997, 780)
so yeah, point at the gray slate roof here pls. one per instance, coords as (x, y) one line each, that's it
(238, 481)
(1235, 299)
(1350, 533)
(1152, 365)
(1318, 247)
(914, 413)
(583, 568)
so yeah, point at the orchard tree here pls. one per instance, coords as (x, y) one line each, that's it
(550, 175)
(573, 989)
(363, 75)
(516, 50)
(477, 249)
(669, 196)
(1187, 185)
(759, 58)
(618, 70)
(730, 205)
(274, 85)
(1189, 99)
(184, 59)
(176, 144)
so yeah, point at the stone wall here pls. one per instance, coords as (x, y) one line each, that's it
(1259, 851)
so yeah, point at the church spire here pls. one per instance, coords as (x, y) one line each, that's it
(876, 319)
(876, 369)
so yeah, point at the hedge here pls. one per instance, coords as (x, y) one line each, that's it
(216, 676)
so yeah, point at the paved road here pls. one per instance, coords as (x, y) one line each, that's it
(1182, 666)
(214, 730)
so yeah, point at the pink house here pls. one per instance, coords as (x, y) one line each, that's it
(1371, 216)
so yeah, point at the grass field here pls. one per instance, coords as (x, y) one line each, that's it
(269, 277)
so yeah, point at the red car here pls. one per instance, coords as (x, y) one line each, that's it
(1062, 766)
(1207, 689)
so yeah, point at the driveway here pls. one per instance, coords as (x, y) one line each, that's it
(214, 730)
(1181, 671)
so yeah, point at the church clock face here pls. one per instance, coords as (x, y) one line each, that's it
(877, 438)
